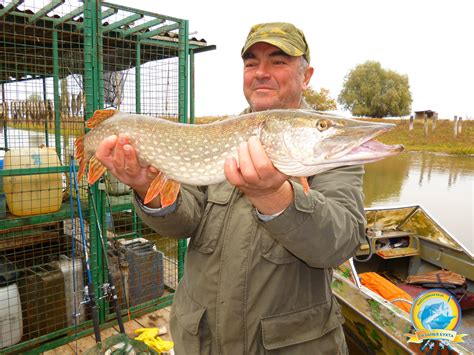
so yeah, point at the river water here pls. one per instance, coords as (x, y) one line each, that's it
(443, 184)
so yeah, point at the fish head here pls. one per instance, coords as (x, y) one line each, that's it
(321, 141)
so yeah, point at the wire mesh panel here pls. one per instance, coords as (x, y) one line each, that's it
(59, 61)
(140, 75)
(41, 261)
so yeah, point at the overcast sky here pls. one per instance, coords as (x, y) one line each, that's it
(430, 41)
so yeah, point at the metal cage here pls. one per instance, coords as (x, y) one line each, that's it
(61, 60)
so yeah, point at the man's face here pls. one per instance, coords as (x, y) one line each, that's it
(273, 79)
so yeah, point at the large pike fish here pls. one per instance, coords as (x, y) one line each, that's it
(300, 143)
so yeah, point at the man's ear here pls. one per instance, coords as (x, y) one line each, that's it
(307, 77)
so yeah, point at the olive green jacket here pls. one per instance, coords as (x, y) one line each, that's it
(253, 287)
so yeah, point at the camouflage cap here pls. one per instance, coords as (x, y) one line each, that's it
(283, 35)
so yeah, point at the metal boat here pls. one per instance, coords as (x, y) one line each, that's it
(403, 243)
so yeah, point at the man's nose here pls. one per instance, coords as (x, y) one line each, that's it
(262, 71)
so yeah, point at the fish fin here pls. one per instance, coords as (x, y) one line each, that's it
(169, 193)
(304, 182)
(82, 169)
(96, 170)
(99, 116)
(155, 188)
(79, 145)
(79, 148)
(168, 189)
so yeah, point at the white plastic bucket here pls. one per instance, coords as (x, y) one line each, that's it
(11, 321)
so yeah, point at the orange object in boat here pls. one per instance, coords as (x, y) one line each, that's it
(386, 289)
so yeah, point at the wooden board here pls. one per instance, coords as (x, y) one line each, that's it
(158, 318)
(398, 252)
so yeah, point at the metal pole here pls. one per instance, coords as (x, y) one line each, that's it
(46, 122)
(5, 118)
(191, 88)
(138, 103)
(57, 103)
(183, 71)
(94, 99)
(183, 111)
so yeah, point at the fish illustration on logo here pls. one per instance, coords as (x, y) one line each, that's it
(436, 315)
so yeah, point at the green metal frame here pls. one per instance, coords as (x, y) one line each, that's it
(94, 101)
(57, 113)
(93, 32)
(183, 71)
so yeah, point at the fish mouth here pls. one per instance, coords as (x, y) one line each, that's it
(366, 149)
(372, 149)
(368, 152)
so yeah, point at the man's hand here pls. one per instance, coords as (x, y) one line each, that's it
(266, 188)
(122, 161)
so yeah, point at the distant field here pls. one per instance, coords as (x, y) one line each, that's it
(442, 139)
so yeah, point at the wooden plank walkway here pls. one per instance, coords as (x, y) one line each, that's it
(159, 318)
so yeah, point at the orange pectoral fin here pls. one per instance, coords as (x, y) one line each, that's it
(155, 188)
(304, 182)
(169, 193)
(99, 116)
(168, 189)
(96, 170)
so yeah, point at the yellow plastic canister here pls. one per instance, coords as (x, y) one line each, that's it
(28, 195)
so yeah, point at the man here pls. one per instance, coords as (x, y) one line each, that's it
(259, 264)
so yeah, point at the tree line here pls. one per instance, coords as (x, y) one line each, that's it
(368, 90)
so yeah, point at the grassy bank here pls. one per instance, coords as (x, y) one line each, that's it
(442, 139)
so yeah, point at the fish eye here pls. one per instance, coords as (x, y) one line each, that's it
(322, 125)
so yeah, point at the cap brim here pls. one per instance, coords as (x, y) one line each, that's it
(286, 47)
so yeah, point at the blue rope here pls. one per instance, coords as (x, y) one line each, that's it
(81, 222)
(73, 228)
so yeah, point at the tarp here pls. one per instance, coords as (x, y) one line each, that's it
(386, 289)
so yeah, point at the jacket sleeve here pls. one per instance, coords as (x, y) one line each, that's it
(325, 227)
(184, 220)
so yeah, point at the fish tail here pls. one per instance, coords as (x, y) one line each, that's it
(167, 189)
(96, 170)
(99, 116)
(79, 148)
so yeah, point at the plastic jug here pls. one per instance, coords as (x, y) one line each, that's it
(33, 194)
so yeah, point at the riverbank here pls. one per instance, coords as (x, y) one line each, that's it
(441, 139)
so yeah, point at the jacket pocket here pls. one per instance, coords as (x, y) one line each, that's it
(304, 329)
(186, 322)
(273, 251)
(213, 218)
